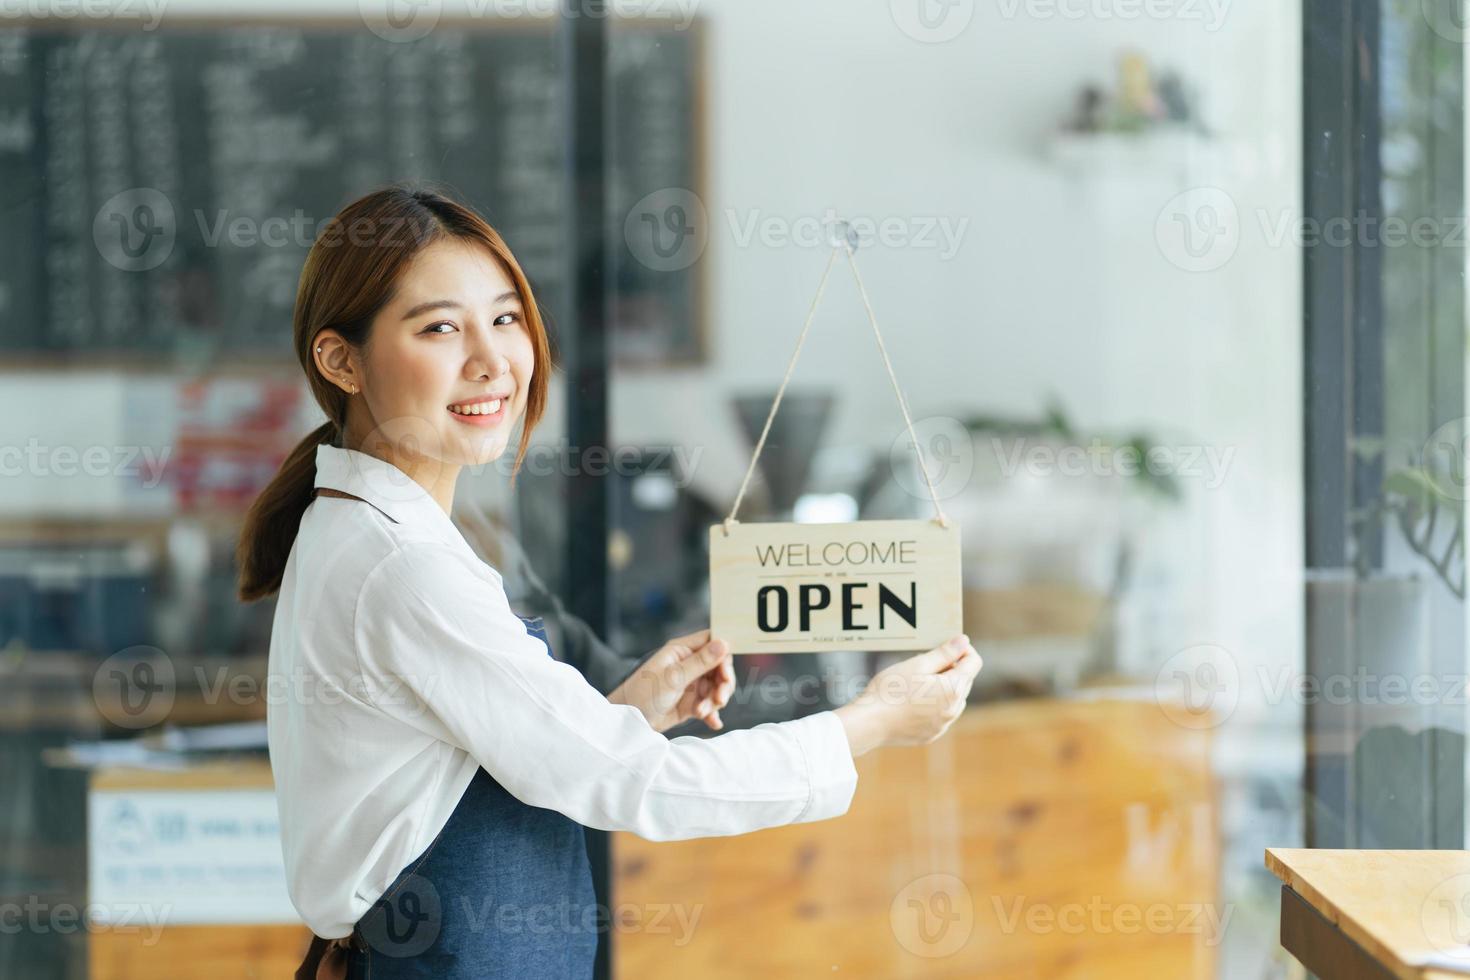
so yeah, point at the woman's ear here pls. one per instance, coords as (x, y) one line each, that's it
(335, 362)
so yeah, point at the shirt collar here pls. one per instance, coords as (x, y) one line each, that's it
(387, 488)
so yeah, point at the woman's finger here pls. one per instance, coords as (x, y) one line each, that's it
(725, 684)
(690, 642)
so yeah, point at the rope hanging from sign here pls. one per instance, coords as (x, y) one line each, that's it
(845, 246)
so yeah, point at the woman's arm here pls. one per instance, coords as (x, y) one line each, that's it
(441, 651)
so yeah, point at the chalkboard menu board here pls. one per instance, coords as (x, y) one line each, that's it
(160, 189)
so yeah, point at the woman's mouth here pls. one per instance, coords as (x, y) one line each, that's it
(483, 413)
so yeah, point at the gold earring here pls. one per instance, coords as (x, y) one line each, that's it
(354, 389)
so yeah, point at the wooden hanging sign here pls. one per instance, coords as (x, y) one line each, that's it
(863, 585)
(806, 588)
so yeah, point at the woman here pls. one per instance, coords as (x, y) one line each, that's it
(434, 764)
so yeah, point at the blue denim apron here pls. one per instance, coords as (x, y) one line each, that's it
(505, 890)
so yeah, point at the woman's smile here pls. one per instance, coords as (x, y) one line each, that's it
(486, 410)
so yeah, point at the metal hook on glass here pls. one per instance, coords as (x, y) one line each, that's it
(841, 233)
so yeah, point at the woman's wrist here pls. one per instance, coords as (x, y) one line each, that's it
(862, 721)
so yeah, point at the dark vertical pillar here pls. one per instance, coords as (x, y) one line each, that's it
(1338, 338)
(584, 352)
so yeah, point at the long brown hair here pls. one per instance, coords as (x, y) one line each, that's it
(350, 274)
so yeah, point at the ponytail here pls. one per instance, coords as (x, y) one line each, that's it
(275, 516)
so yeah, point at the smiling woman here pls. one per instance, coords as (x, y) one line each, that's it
(457, 323)
(451, 759)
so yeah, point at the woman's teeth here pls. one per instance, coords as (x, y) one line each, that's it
(479, 408)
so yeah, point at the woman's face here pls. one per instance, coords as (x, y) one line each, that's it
(447, 368)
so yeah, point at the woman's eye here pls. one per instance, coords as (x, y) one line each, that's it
(431, 328)
(508, 318)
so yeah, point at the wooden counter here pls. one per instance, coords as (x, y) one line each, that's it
(1020, 845)
(1386, 915)
(184, 952)
(1032, 841)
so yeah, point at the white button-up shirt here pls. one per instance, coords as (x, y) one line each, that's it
(402, 671)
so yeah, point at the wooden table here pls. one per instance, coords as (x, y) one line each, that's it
(1355, 915)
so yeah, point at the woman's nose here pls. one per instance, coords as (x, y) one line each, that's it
(486, 363)
(488, 369)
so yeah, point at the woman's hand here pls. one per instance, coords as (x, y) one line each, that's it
(688, 677)
(914, 701)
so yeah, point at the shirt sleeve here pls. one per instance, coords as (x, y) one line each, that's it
(441, 651)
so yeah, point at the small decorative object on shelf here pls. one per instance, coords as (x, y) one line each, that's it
(1143, 103)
